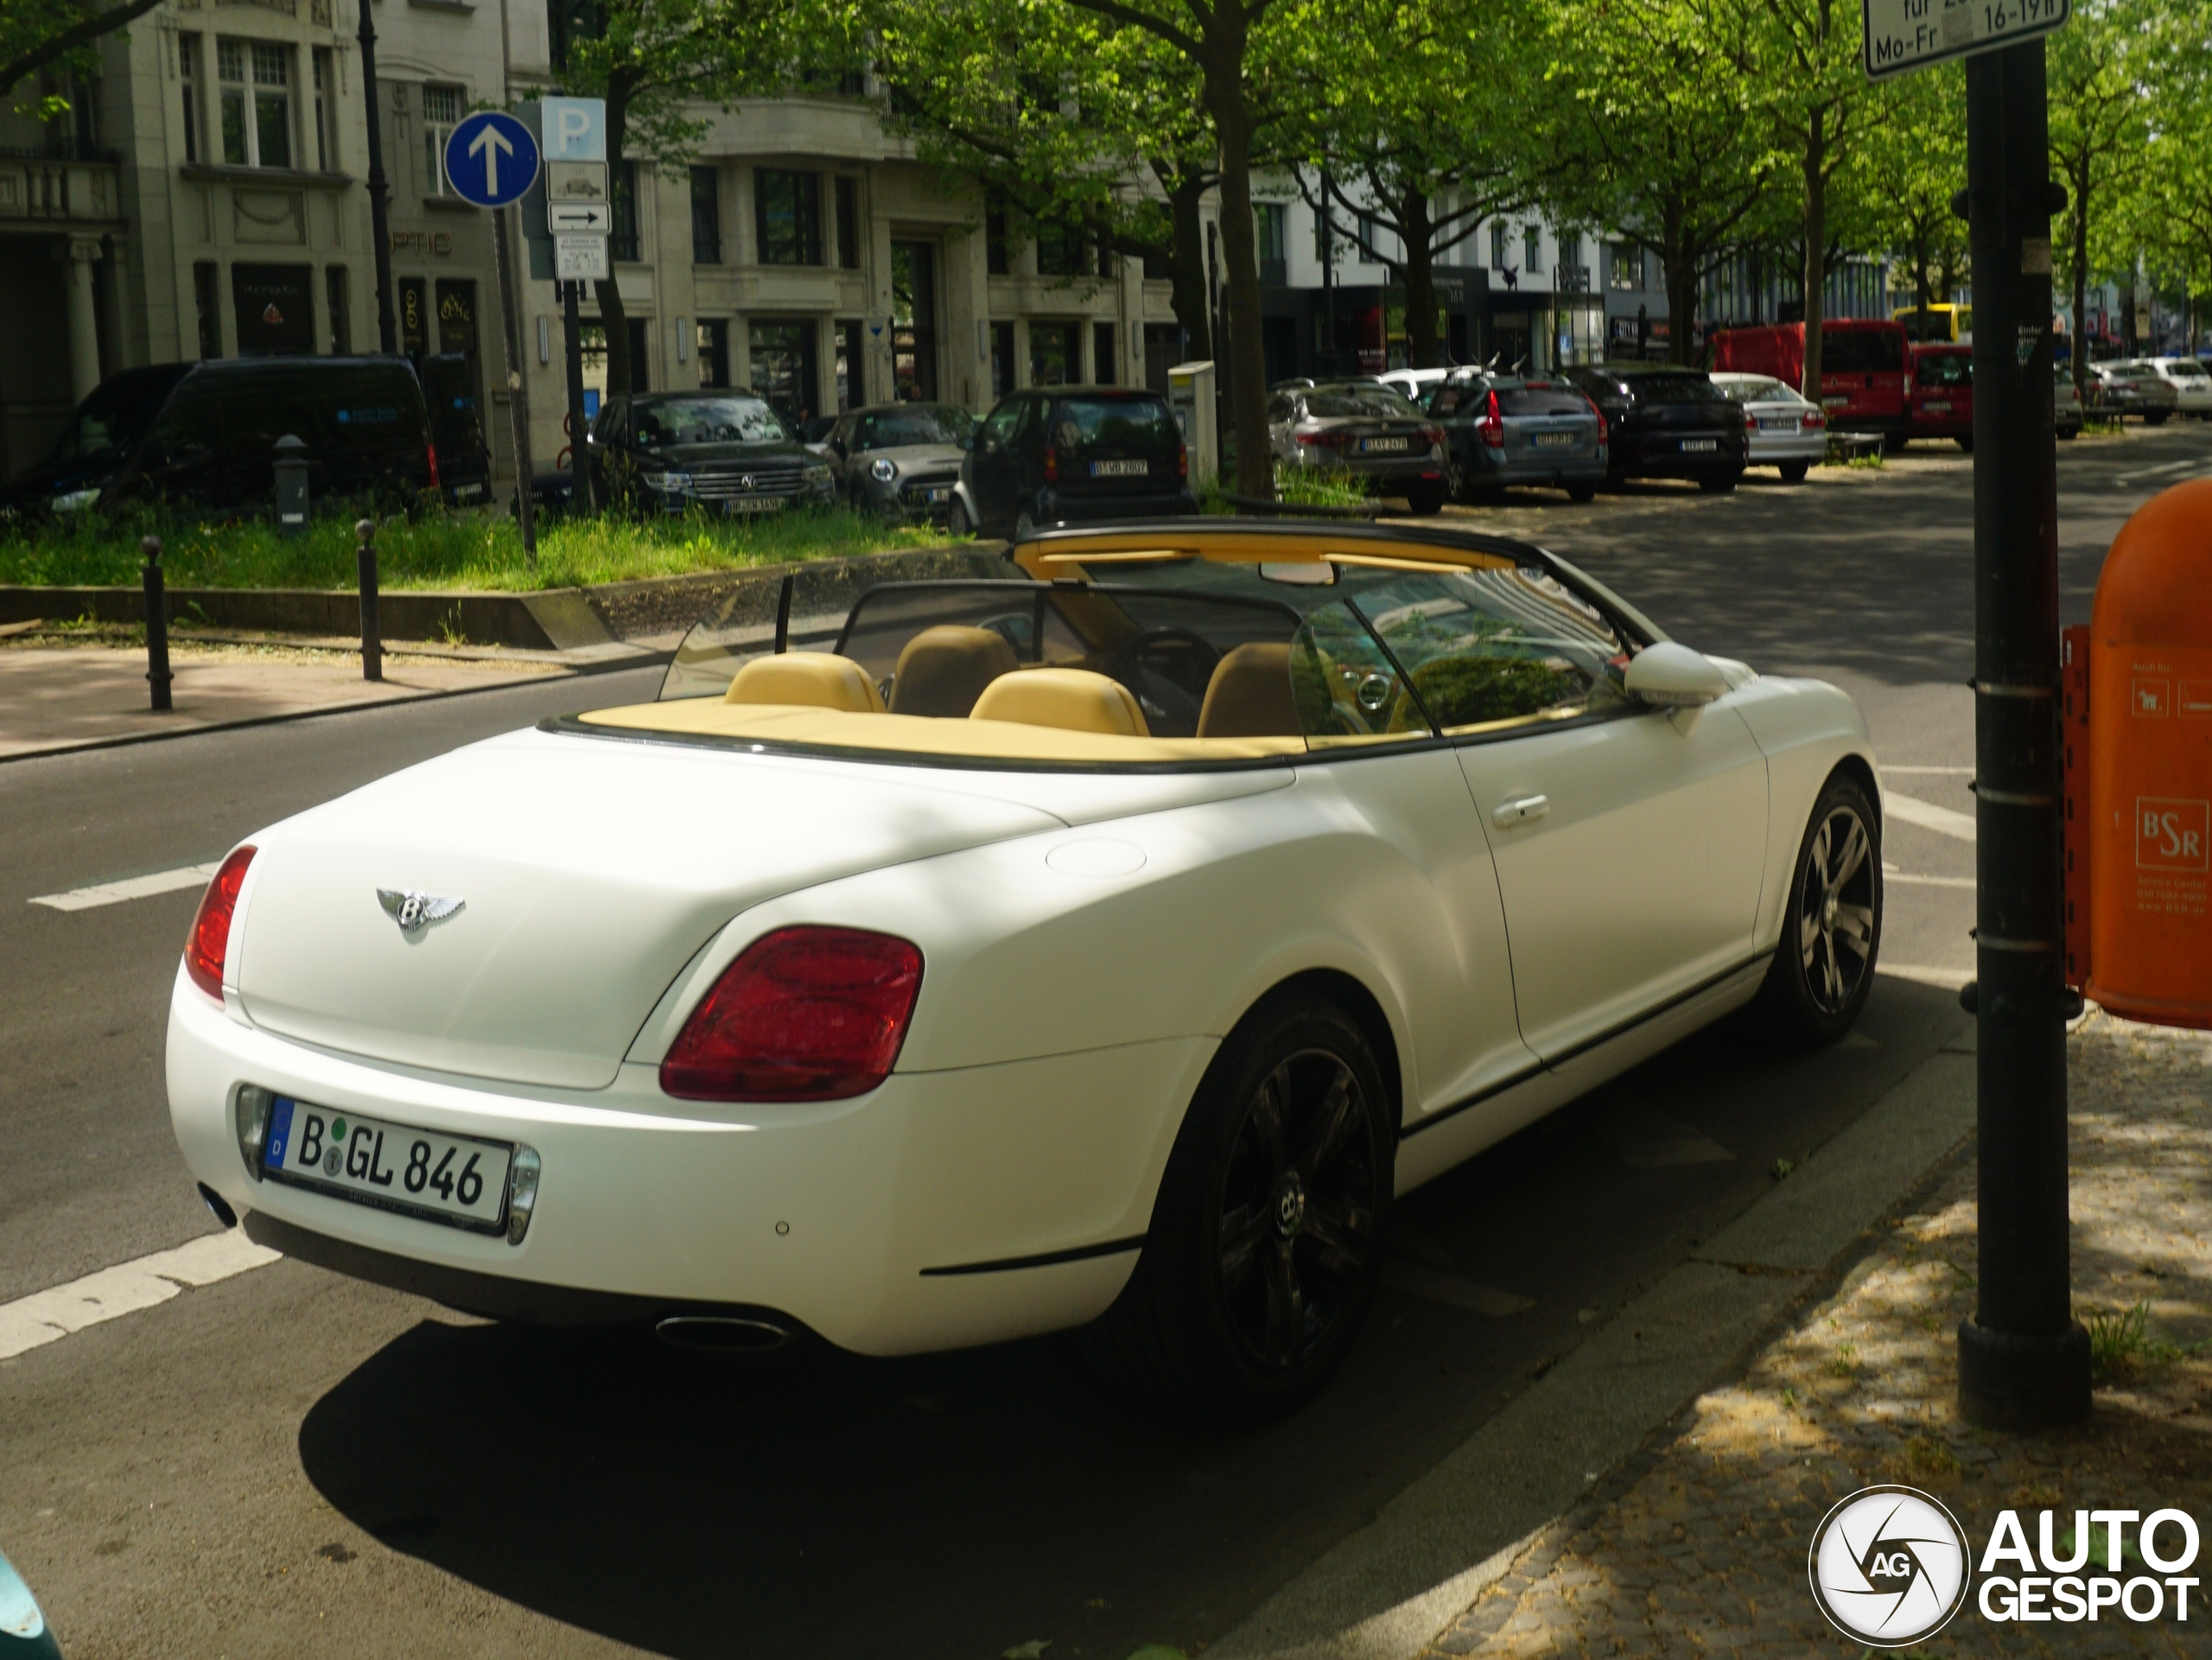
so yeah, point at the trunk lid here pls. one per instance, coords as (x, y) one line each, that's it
(590, 873)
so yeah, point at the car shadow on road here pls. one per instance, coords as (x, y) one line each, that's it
(815, 1503)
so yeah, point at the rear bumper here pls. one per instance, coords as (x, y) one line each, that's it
(1664, 458)
(1768, 448)
(942, 1210)
(1888, 426)
(1050, 508)
(1484, 467)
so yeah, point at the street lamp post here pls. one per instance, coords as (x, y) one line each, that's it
(2023, 1361)
(380, 192)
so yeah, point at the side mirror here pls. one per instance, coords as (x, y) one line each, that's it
(1669, 675)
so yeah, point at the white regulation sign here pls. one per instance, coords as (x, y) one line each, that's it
(1903, 35)
(580, 259)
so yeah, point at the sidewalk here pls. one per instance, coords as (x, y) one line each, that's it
(1699, 1544)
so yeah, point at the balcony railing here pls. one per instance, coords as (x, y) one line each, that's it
(60, 189)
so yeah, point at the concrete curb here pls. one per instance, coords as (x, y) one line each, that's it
(1386, 1592)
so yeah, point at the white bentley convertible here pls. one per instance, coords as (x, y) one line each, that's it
(1104, 945)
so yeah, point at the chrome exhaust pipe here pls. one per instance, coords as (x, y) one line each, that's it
(722, 1333)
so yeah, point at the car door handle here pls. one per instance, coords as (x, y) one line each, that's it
(1520, 810)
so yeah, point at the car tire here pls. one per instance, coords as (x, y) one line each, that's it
(1967, 444)
(1424, 500)
(1822, 971)
(1718, 484)
(957, 522)
(2156, 417)
(1794, 472)
(1266, 1242)
(1581, 493)
(2070, 433)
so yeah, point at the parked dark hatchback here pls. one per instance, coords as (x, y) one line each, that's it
(1666, 422)
(204, 434)
(1063, 454)
(1501, 429)
(728, 452)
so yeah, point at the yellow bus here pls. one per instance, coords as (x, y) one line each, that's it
(1937, 322)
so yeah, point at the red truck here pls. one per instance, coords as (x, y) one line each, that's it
(1941, 404)
(1863, 371)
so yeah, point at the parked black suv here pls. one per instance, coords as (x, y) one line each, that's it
(204, 436)
(1666, 422)
(727, 452)
(1053, 454)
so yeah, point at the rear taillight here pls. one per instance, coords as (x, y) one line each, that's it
(1604, 432)
(804, 1014)
(1051, 465)
(1812, 420)
(430, 454)
(1182, 460)
(209, 942)
(1328, 438)
(1751, 422)
(1490, 425)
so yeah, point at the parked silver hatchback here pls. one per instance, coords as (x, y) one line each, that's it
(900, 460)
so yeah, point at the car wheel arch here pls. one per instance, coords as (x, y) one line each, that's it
(1359, 1003)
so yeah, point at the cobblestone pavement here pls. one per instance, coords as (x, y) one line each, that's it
(1699, 1546)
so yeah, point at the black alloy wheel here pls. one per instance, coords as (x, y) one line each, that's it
(1266, 1241)
(1831, 933)
(957, 522)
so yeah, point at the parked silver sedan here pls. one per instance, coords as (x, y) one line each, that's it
(902, 460)
(1786, 432)
(1363, 429)
(2133, 388)
(2065, 403)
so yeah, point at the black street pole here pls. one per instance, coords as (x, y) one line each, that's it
(517, 391)
(380, 192)
(1328, 277)
(583, 489)
(2024, 1361)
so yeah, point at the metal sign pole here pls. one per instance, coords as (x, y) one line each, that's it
(582, 488)
(517, 393)
(380, 192)
(2023, 1361)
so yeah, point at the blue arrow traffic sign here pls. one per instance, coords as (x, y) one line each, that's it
(490, 159)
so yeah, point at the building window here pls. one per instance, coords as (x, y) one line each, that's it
(1052, 350)
(187, 72)
(783, 368)
(787, 214)
(1500, 245)
(706, 224)
(1103, 363)
(714, 352)
(1532, 250)
(848, 223)
(326, 130)
(1371, 238)
(1271, 229)
(1627, 267)
(257, 94)
(996, 261)
(342, 322)
(623, 244)
(204, 293)
(852, 357)
(441, 113)
(1060, 252)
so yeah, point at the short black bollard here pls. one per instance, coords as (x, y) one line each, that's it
(371, 641)
(157, 623)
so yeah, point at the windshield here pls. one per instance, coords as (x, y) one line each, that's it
(1355, 403)
(919, 424)
(1862, 351)
(1944, 369)
(671, 421)
(109, 423)
(1136, 420)
(1674, 389)
(1755, 389)
(2186, 369)
(1540, 397)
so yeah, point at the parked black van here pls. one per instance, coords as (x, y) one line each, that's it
(204, 434)
(1053, 454)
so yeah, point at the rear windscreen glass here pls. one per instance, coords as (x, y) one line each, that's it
(926, 423)
(1371, 402)
(1676, 388)
(1541, 400)
(1862, 351)
(1945, 369)
(1144, 424)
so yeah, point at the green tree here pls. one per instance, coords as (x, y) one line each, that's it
(1914, 158)
(36, 34)
(1650, 130)
(2099, 125)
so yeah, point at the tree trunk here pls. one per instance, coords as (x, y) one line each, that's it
(1188, 295)
(1680, 263)
(613, 319)
(1246, 364)
(1419, 232)
(1816, 241)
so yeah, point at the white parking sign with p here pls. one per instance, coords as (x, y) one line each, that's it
(575, 129)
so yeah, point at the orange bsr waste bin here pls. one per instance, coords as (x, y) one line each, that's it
(2150, 841)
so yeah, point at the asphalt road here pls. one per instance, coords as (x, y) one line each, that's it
(287, 1463)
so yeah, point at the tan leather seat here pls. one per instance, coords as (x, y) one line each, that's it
(814, 679)
(1075, 700)
(1249, 696)
(944, 670)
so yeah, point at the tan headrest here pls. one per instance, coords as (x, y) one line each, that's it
(1075, 700)
(944, 670)
(1250, 695)
(813, 679)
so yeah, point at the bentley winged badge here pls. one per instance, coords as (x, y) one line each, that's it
(412, 910)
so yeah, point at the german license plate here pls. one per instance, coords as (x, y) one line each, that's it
(1699, 446)
(1555, 440)
(1937, 409)
(935, 497)
(1833, 403)
(1782, 425)
(452, 1179)
(749, 506)
(1120, 469)
(1382, 446)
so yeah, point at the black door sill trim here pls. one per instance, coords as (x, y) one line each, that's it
(1077, 1254)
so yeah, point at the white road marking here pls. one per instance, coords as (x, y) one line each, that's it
(1911, 811)
(1949, 979)
(1927, 881)
(47, 1316)
(2154, 472)
(133, 888)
